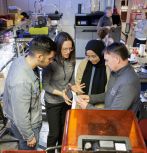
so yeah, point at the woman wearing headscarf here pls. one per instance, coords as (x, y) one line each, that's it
(92, 70)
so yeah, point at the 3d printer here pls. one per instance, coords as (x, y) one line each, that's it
(102, 131)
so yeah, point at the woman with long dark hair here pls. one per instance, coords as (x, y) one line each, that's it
(57, 77)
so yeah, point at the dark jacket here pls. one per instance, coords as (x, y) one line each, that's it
(105, 21)
(123, 92)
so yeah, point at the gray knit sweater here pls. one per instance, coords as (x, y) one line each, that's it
(57, 76)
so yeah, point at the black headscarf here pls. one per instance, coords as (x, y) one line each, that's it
(100, 76)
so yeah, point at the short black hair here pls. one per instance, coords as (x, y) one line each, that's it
(41, 44)
(25, 15)
(108, 8)
(119, 49)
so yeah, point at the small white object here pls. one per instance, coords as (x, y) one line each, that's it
(143, 98)
(87, 145)
(54, 22)
(74, 101)
(132, 57)
(145, 94)
(142, 49)
(120, 146)
(106, 144)
(143, 70)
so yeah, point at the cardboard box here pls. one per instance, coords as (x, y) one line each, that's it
(17, 22)
(16, 17)
(6, 23)
(13, 16)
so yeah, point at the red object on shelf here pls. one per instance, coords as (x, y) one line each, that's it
(101, 123)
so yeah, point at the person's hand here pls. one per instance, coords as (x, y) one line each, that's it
(66, 99)
(83, 102)
(114, 26)
(85, 98)
(77, 88)
(108, 27)
(32, 142)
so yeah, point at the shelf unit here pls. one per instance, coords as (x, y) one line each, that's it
(7, 54)
(10, 48)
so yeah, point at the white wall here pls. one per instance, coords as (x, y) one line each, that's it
(23, 4)
(3, 8)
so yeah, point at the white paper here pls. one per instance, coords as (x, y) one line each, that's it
(74, 101)
(120, 147)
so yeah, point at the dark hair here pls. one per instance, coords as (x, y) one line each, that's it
(108, 8)
(59, 40)
(41, 44)
(25, 15)
(119, 49)
(102, 32)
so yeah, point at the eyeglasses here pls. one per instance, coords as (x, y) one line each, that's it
(67, 49)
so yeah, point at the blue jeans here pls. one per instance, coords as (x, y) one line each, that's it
(22, 142)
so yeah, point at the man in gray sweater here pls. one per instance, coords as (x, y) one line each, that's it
(22, 104)
(123, 87)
